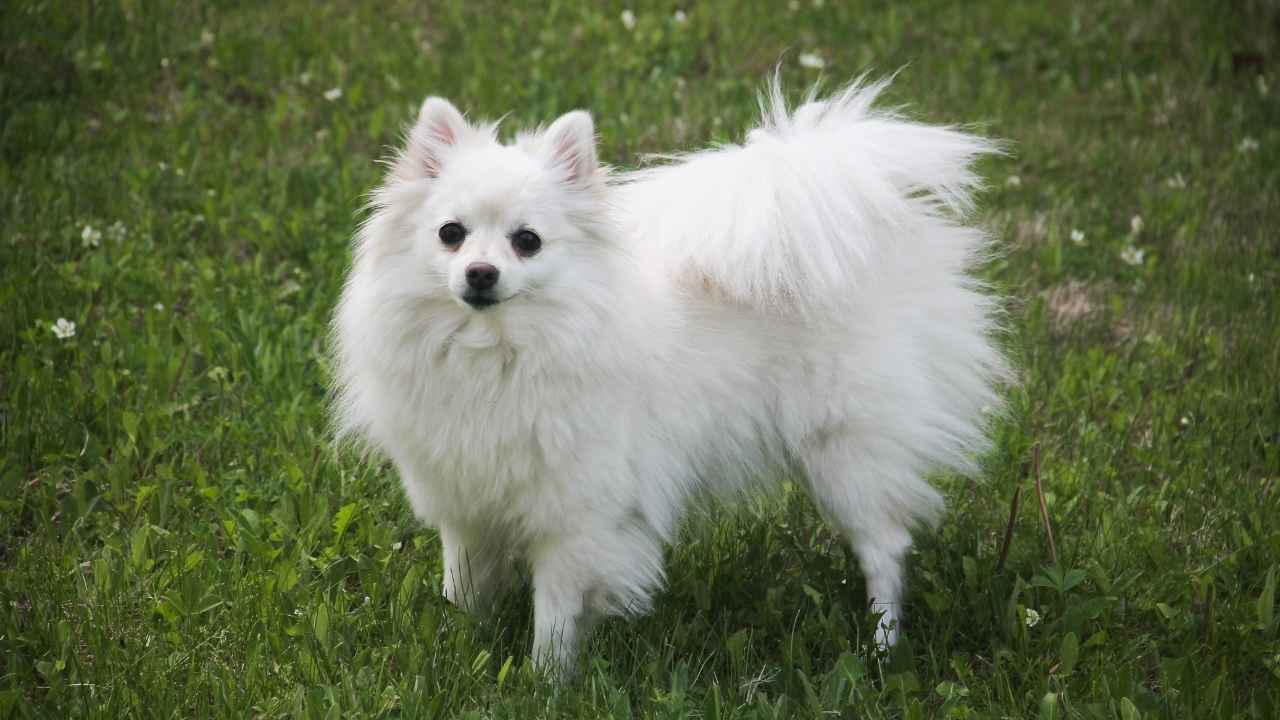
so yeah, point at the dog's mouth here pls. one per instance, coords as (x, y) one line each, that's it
(480, 301)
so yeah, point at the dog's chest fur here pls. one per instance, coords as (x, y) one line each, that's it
(500, 433)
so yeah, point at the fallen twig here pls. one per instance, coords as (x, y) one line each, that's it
(1008, 529)
(1044, 509)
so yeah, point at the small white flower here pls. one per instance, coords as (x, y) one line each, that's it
(1077, 236)
(628, 19)
(164, 62)
(1135, 224)
(63, 329)
(304, 78)
(159, 307)
(680, 17)
(1177, 182)
(1247, 145)
(333, 94)
(1033, 618)
(206, 37)
(812, 61)
(1132, 255)
(117, 232)
(1013, 181)
(90, 236)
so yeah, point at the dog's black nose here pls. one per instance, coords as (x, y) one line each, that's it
(482, 276)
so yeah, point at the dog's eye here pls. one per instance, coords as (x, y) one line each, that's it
(526, 242)
(452, 234)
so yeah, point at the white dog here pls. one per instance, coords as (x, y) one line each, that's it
(557, 358)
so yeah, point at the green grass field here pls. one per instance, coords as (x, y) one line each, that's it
(178, 537)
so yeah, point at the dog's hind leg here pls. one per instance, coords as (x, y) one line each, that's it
(873, 502)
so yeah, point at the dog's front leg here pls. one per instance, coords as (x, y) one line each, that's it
(563, 577)
(606, 564)
(476, 568)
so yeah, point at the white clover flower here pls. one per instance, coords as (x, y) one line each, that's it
(1177, 182)
(333, 94)
(1133, 255)
(1135, 224)
(680, 17)
(90, 236)
(304, 78)
(1247, 145)
(63, 329)
(117, 232)
(1032, 618)
(812, 61)
(159, 307)
(206, 37)
(1013, 181)
(1077, 236)
(628, 19)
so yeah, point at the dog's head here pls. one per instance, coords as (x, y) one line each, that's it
(489, 225)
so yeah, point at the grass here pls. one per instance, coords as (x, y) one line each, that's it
(178, 537)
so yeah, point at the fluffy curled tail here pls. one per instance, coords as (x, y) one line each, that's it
(797, 219)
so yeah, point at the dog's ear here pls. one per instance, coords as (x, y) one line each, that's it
(570, 143)
(439, 129)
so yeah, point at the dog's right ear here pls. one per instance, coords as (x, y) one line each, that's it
(439, 129)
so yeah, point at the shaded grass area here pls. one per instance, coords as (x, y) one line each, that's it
(179, 539)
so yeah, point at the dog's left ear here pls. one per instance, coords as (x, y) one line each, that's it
(570, 143)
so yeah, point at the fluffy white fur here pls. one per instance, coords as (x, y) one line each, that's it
(799, 305)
